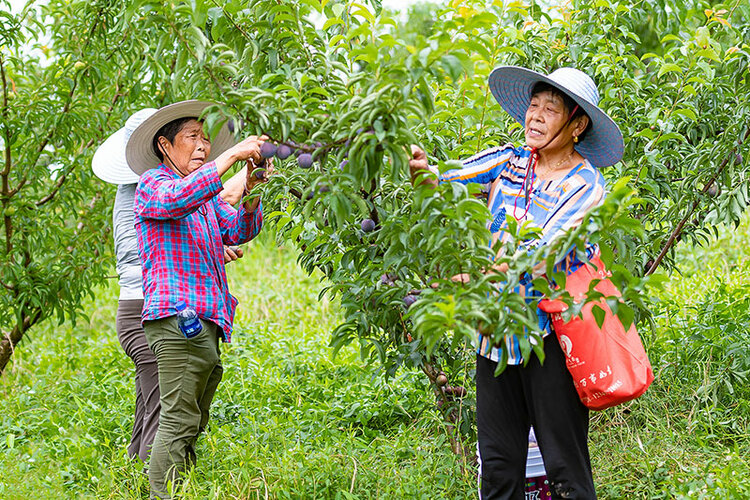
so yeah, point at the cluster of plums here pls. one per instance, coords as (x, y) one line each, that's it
(389, 279)
(304, 160)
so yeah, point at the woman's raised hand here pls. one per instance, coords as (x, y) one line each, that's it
(418, 166)
(247, 149)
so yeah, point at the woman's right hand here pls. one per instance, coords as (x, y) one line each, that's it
(418, 160)
(247, 149)
(418, 165)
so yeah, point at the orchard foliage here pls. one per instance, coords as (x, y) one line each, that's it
(69, 76)
(353, 85)
(357, 87)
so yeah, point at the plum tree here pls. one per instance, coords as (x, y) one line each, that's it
(348, 94)
(58, 101)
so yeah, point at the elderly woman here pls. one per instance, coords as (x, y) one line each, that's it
(549, 182)
(182, 224)
(110, 166)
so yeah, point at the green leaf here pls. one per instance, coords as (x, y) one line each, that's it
(669, 68)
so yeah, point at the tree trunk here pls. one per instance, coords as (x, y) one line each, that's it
(10, 339)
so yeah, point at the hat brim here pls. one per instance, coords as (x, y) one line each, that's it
(511, 86)
(139, 153)
(109, 161)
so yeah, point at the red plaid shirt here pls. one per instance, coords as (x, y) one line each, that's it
(182, 226)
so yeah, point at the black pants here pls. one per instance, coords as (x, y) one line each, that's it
(538, 395)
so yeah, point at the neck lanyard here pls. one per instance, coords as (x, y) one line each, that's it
(530, 177)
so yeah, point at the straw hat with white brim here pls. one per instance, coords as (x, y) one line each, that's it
(109, 159)
(602, 146)
(139, 150)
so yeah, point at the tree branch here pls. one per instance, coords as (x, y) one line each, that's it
(64, 176)
(10, 339)
(210, 73)
(6, 168)
(678, 229)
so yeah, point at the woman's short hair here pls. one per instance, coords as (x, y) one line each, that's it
(169, 131)
(568, 102)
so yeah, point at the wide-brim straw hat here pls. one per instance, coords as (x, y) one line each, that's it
(109, 163)
(139, 151)
(511, 85)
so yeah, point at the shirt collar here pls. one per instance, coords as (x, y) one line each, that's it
(168, 170)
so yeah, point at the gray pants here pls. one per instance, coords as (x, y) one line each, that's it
(189, 373)
(147, 406)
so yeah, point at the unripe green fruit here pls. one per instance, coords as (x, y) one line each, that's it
(79, 65)
(10, 211)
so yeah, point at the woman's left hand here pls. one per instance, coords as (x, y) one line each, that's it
(232, 253)
(258, 174)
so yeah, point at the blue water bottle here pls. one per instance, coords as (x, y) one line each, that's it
(188, 320)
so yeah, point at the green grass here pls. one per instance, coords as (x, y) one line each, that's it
(289, 421)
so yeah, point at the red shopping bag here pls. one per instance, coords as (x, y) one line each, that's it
(609, 364)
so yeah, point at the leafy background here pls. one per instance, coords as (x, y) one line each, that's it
(291, 422)
(352, 82)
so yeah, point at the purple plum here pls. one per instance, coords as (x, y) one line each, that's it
(305, 160)
(367, 225)
(388, 279)
(409, 300)
(268, 150)
(283, 152)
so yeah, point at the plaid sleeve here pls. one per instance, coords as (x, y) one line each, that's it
(160, 196)
(584, 191)
(482, 168)
(237, 226)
